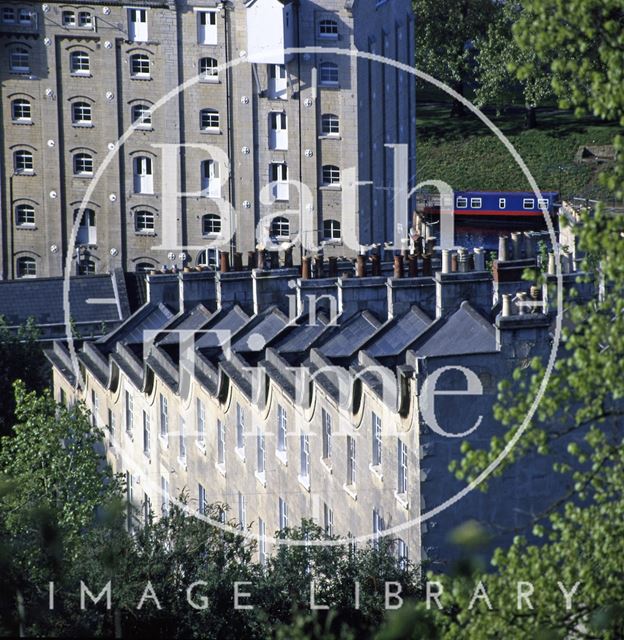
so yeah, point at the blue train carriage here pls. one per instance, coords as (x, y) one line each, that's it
(504, 204)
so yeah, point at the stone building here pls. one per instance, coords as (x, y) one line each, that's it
(256, 122)
(342, 397)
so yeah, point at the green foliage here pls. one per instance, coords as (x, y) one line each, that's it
(21, 358)
(497, 59)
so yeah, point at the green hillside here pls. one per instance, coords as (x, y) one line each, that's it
(467, 155)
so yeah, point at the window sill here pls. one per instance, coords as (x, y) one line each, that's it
(325, 463)
(261, 477)
(332, 242)
(240, 452)
(26, 227)
(210, 80)
(350, 489)
(143, 193)
(17, 72)
(148, 455)
(304, 481)
(211, 132)
(220, 468)
(402, 499)
(149, 234)
(82, 125)
(330, 187)
(282, 456)
(27, 174)
(182, 462)
(86, 176)
(28, 123)
(201, 446)
(164, 439)
(142, 127)
(137, 77)
(77, 74)
(329, 85)
(130, 436)
(330, 136)
(376, 471)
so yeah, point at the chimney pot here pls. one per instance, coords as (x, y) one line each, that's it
(252, 261)
(426, 267)
(398, 266)
(333, 267)
(260, 258)
(515, 244)
(430, 246)
(360, 266)
(502, 249)
(453, 262)
(521, 297)
(376, 265)
(506, 305)
(446, 261)
(224, 262)
(305, 268)
(479, 259)
(238, 261)
(412, 265)
(318, 266)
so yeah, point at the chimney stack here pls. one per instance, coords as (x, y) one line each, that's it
(224, 262)
(305, 268)
(360, 266)
(398, 266)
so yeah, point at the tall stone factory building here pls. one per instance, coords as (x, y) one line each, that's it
(76, 76)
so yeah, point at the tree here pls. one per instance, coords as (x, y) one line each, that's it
(445, 34)
(21, 358)
(498, 58)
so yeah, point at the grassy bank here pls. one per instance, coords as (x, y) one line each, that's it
(467, 155)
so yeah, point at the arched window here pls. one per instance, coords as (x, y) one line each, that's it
(144, 221)
(81, 113)
(20, 110)
(19, 60)
(139, 65)
(85, 19)
(211, 224)
(86, 268)
(26, 267)
(280, 228)
(87, 230)
(207, 258)
(331, 175)
(328, 28)
(209, 120)
(79, 63)
(331, 230)
(83, 164)
(208, 69)
(69, 19)
(145, 267)
(25, 215)
(329, 73)
(143, 175)
(330, 124)
(141, 116)
(23, 161)
(210, 179)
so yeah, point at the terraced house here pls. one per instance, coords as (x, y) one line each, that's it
(254, 121)
(341, 398)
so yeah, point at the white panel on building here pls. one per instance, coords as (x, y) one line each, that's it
(137, 25)
(270, 31)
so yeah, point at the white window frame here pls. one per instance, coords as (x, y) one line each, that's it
(278, 181)
(377, 443)
(137, 17)
(543, 202)
(330, 125)
(137, 66)
(83, 165)
(262, 558)
(240, 431)
(528, 203)
(461, 202)
(326, 426)
(201, 422)
(278, 131)
(476, 203)
(144, 221)
(207, 27)
(129, 411)
(81, 114)
(328, 520)
(278, 82)
(141, 116)
(304, 459)
(242, 511)
(351, 462)
(260, 453)
(25, 215)
(211, 225)
(80, 63)
(19, 60)
(282, 514)
(210, 120)
(402, 469)
(143, 175)
(208, 69)
(281, 449)
(328, 28)
(210, 178)
(20, 107)
(146, 433)
(329, 74)
(201, 499)
(330, 175)
(163, 406)
(30, 271)
(182, 439)
(23, 162)
(335, 230)
(502, 203)
(221, 443)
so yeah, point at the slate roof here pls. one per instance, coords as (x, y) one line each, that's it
(92, 299)
(349, 336)
(465, 331)
(398, 334)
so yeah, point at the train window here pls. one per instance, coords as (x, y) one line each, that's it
(475, 203)
(542, 202)
(528, 203)
(462, 203)
(502, 203)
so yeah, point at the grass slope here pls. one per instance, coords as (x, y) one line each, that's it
(467, 155)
